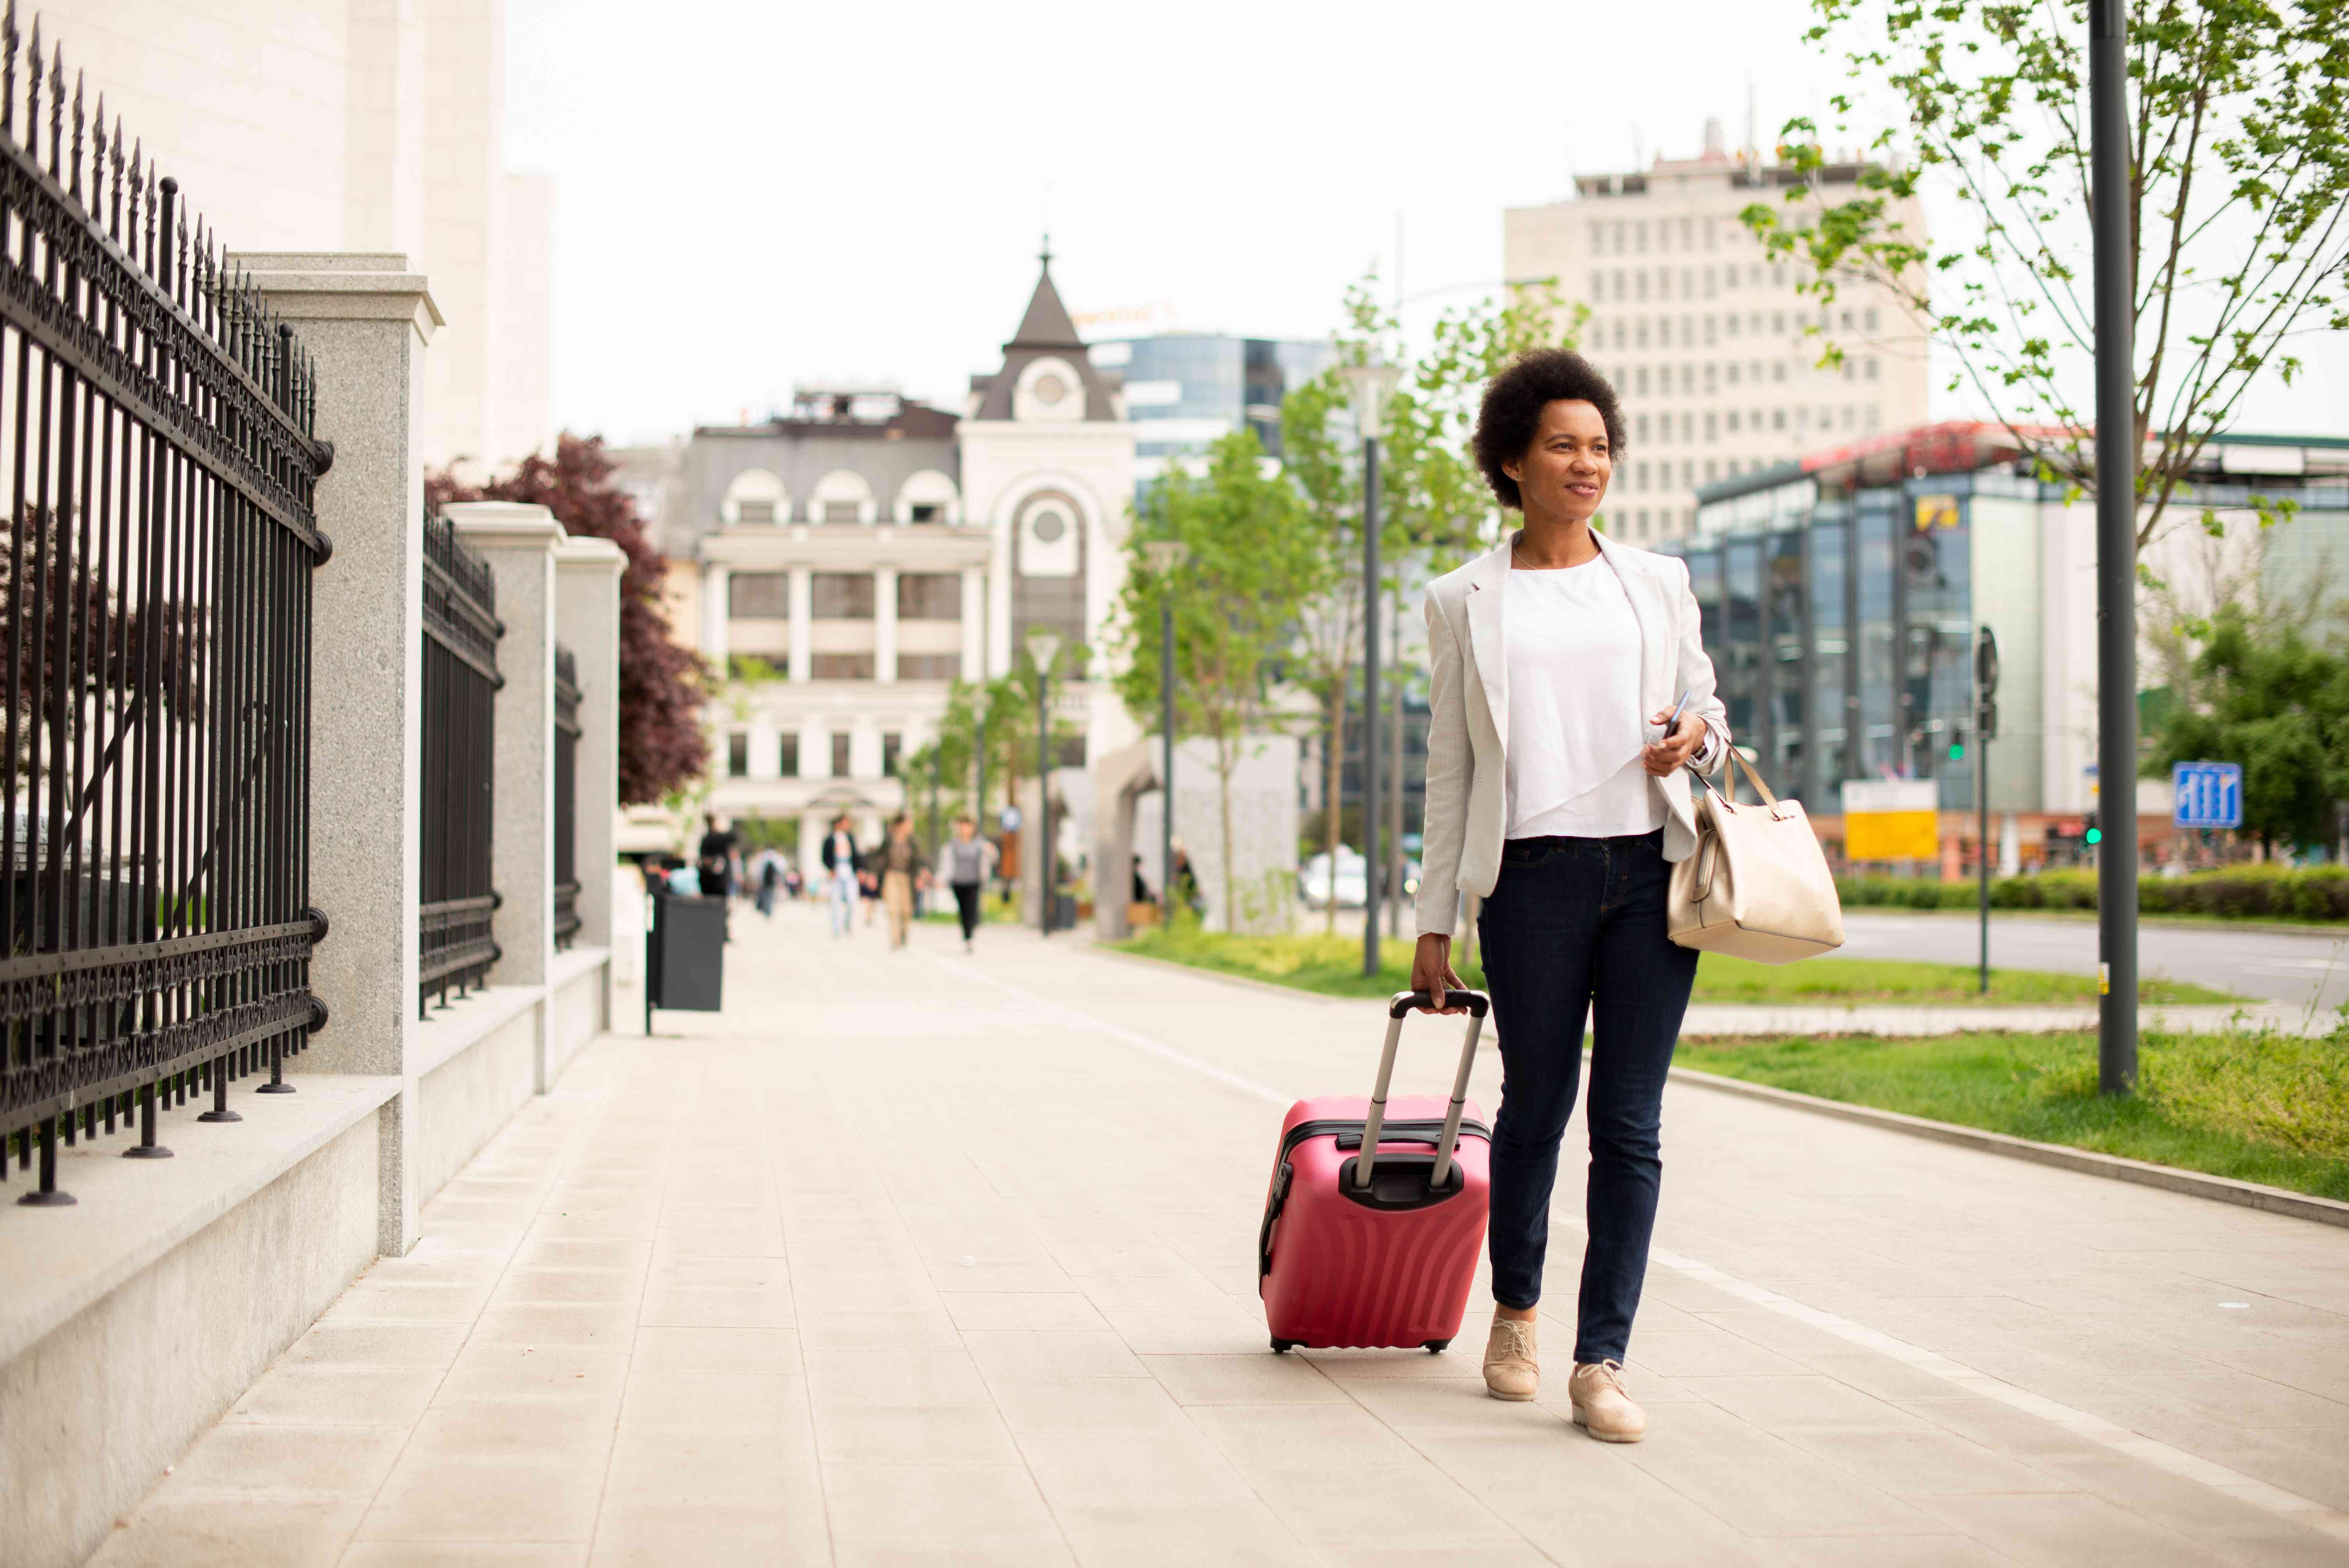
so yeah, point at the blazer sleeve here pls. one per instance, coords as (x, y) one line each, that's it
(1450, 768)
(1696, 677)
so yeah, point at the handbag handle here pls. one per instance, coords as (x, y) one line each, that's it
(1736, 761)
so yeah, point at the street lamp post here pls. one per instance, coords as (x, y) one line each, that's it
(1043, 647)
(2117, 456)
(1165, 557)
(1370, 385)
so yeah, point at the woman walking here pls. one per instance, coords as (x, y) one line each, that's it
(967, 859)
(1570, 687)
(902, 867)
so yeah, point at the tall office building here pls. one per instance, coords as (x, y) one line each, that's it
(1186, 390)
(1704, 337)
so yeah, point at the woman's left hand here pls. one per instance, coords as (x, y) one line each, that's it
(1661, 758)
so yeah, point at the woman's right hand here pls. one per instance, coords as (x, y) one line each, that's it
(1430, 971)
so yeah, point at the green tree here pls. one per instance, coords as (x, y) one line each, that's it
(1252, 557)
(2239, 189)
(1434, 503)
(2278, 704)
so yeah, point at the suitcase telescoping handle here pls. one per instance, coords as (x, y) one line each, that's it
(1399, 1007)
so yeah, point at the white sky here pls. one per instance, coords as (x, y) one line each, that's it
(751, 195)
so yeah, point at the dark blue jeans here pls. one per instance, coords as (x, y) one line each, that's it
(1577, 926)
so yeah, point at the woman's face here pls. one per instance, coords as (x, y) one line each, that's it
(1563, 475)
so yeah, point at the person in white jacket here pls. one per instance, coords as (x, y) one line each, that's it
(1570, 691)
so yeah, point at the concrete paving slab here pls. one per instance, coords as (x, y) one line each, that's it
(916, 1258)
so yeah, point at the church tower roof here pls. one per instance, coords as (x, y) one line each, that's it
(1045, 331)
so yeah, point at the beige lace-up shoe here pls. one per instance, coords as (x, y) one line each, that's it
(1601, 1408)
(1512, 1369)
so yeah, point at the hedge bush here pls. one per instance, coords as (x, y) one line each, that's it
(2279, 893)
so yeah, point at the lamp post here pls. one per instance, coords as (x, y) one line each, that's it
(1370, 385)
(1165, 557)
(2117, 457)
(1043, 647)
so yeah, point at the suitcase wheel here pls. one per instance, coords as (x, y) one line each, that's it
(1438, 1347)
(1283, 1346)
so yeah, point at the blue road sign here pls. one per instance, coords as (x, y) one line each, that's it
(2210, 794)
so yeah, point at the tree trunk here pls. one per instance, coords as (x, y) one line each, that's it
(1227, 763)
(1333, 798)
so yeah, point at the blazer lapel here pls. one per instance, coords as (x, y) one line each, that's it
(1656, 651)
(1486, 637)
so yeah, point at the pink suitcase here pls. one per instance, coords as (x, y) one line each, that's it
(1379, 1257)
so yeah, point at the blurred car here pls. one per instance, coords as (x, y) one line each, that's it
(1313, 881)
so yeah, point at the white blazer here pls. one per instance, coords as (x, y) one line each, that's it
(1468, 721)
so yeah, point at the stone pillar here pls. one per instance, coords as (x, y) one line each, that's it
(365, 320)
(764, 760)
(803, 606)
(587, 621)
(519, 541)
(813, 826)
(714, 577)
(884, 623)
(974, 624)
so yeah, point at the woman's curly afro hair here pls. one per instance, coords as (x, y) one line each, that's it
(1512, 411)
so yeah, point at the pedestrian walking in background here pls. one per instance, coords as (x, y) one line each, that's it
(716, 859)
(840, 869)
(767, 878)
(1572, 646)
(969, 858)
(903, 868)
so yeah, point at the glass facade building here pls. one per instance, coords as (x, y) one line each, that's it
(1185, 390)
(1839, 598)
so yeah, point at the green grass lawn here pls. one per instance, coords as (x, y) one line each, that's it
(2253, 1104)
(1332, 965)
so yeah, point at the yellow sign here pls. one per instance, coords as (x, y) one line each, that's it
(1936, 512)
(1891, 836)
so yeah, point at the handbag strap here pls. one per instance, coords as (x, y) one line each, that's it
(1736, 760)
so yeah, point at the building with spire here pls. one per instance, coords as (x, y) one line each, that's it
(845, 561)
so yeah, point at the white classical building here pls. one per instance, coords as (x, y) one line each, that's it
(846, 561)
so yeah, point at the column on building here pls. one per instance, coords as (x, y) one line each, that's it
(714, 579)
(884, 623)
(764, 763)
(813, 826)
(974, 624)
(802, 607)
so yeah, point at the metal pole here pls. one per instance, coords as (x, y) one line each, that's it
(979, 747)
(2116, 459)
(1044, 797)
(1165, 773)
(1370, 867)
(1981, 837)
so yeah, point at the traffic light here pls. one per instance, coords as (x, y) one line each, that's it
(2096, 835)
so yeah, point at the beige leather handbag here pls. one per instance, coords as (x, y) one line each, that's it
(1757, 886)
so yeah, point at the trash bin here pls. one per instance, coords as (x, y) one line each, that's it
(685, 956)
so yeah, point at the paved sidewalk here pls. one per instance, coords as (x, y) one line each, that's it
(911, 1258)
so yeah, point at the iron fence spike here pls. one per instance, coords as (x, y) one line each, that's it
(57, 109)
(8, 84)
(32, 98)
(76, 160)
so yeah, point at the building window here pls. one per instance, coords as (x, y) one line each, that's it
(1620, 287)
(1732, 367)
(842, 512)
(786, 755)
(1710, 323)
(1874, 417)
(737, 756)
(1639, 378)
(840, 595)
(1710, 371)
(1712, 471)
(1868, 320)
(1711, 433)
(1597, 287)
(840, 757)
(1778, 322)
(1640, 236)
(754, 511)
(892, 745)
(1598, 239)
(929, 666)
(1729, 325)
(1640, 423)
(1778, 370)
(759, 596)
(927, 511)
(929, 596)
(1640, 477)
(1639, 284)
(1640, 333)
(1870, 371)
(841, 666)
(1733, 415)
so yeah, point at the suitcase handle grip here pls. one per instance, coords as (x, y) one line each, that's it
(1477, 1002)
(1400, 1003)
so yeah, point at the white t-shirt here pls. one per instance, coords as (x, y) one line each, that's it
(1576, 730)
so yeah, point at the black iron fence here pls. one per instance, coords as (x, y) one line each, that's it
(567, 797)
(460, 694)
(155, 623)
